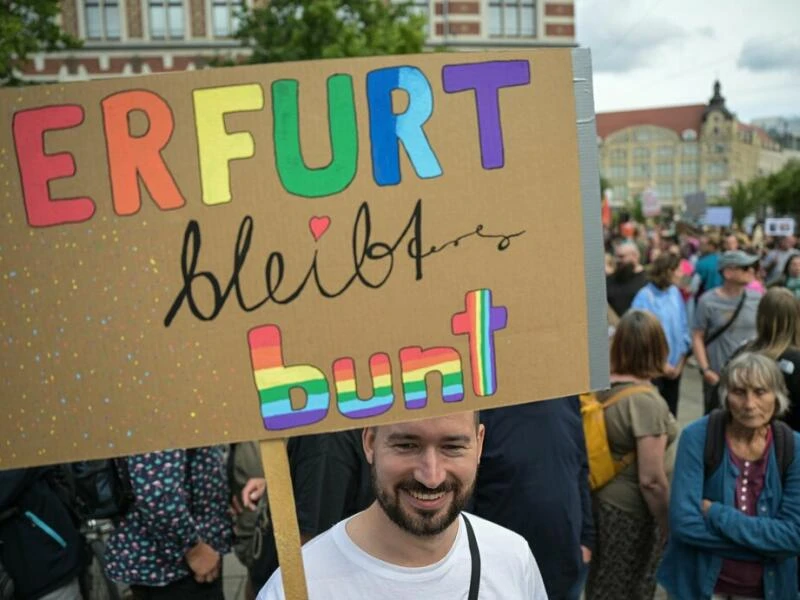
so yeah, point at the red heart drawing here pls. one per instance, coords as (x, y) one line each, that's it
(318, 226)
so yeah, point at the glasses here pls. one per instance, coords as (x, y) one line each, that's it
(748, 267)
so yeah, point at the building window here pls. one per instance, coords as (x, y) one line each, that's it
(664, 191)
(688, 187)
(665, 152)
(641, 153)
(690, 169)
(620, 193)
(713, 189)
(690, 150)
(510, 18)
(102, 19)
(617, 172)
(225, 16)
(619, 154)
(664, 170)
(166, 19)
(689, 135)
(641, 170)
(715, 169)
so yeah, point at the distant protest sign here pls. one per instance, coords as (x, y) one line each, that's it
(651, 207)
(695, 205)
(719, 216)
(260, 252)
(779, 227)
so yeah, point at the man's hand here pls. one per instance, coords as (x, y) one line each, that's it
(204, 562)
(706, 506)
(710, 377)
(671, 372)
(586, 554)
(252, 492)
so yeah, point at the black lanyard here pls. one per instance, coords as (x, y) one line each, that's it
(475, 578)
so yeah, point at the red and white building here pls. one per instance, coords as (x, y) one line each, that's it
(131, 37)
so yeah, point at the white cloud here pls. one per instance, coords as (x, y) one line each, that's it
(619, 50)
(762, 54)
(649, 53)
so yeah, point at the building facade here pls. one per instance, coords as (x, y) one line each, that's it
(680, 150)
(131, 37)
(784, 130)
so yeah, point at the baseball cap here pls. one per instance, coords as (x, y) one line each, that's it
(736, 258)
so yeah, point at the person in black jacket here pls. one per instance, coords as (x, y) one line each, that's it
(534, 480)
(778, 336)
(331, 481)
(40, 546)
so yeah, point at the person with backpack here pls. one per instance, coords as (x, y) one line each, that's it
(630, 506)
(40, 545)
(778, 336)
(735, 506)
(170, 543)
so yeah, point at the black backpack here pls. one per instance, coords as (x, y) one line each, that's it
(783, 438)
(102, 488)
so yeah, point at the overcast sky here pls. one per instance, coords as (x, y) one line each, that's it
(649, 53)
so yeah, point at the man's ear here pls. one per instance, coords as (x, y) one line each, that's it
(481, 435)
(368, 441)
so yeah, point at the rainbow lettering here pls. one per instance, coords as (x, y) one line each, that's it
(479, 321)
(416, 363)
(274, 380)
(347, 398)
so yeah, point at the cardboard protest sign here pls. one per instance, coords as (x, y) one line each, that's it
(779, 226)
(695, 205)
(266, 251)
(720, 216)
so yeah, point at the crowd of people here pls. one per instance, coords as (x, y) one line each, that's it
(498, 504)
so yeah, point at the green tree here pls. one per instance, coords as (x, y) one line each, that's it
(745, 198)
(604, 185)
(783, 189)
(27, 27)
(633, 206)
(286, 30)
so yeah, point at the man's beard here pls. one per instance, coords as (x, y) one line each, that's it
(421, 522)
(625, 272)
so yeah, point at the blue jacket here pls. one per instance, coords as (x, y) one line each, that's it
(697, 544)
(670, 309)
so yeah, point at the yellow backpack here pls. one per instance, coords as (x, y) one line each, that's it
(602, 466)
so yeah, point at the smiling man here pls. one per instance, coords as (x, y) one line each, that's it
(414, 540)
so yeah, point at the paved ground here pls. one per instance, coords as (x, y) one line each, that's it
(690, 408)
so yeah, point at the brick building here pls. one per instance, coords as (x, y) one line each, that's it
(128, 37)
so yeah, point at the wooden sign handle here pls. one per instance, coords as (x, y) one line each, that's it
(284, 518)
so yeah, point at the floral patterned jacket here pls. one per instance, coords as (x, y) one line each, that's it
(181, 497)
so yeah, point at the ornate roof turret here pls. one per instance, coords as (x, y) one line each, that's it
(717, 102)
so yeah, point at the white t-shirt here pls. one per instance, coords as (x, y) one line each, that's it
(337, 569)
